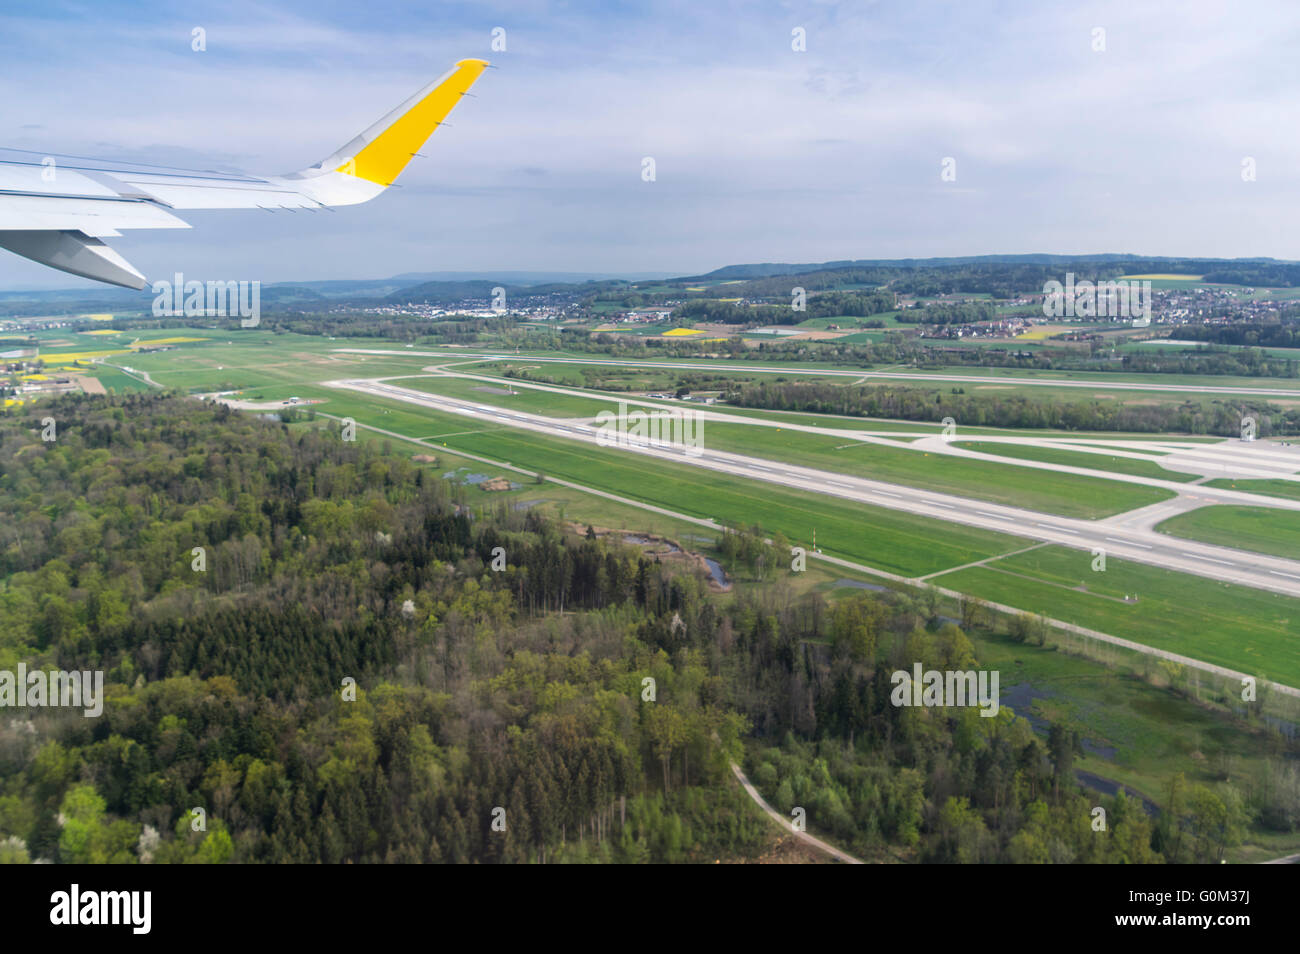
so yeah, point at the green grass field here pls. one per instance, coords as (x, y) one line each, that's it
(1071, 458)
(1063, 494)
(1269, 488)
(1068, 495)
(1260, 529)
(1249, 630)
(894, 542)
(529, 400)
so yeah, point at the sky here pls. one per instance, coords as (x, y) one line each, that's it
(1063, 139)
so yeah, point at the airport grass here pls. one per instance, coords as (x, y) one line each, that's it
(1170, 614)
(1258, 529)
(889, 540)
(1289, 489)
(551, 404)
(1073, 458)
(1252, 631)
(893, 541)
(1063, 494)
(1067, 495)
(529, 400)
(220, 367)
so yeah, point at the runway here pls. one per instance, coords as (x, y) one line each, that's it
(1126, 536)
(742, 366)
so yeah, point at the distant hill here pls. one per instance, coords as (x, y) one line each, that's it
(527, 278)
(769, 269)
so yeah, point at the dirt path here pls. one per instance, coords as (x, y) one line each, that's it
(785, 823)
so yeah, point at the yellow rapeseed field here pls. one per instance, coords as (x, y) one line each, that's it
(71, 356)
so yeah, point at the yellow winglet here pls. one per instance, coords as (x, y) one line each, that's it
(391, 142)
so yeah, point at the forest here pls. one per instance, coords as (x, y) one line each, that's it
(827, 304)
(309, 657)
(1253, 334)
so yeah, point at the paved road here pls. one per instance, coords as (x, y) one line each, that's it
(1116, 537)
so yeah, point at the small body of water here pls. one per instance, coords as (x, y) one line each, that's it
(715, 570)
(645, 542)
(1020, 698)
(859, 585)
(468, 478)
(1107, 786)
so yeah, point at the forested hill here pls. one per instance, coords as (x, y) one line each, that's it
(225, 685)
(515, 696)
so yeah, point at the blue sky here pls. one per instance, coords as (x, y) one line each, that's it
(762, 153)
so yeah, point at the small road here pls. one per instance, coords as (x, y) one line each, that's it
(785, 823)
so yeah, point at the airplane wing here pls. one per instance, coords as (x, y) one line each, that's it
(57, 210)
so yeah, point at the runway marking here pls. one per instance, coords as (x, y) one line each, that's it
(1290, 576)
(1062, 529)
(1129, 543)
(1212, 560)
(995, 516)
